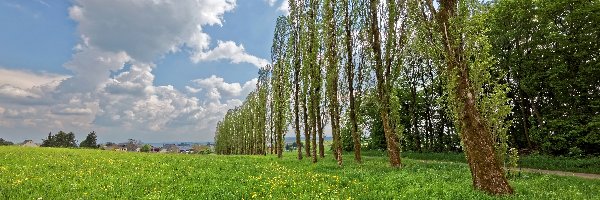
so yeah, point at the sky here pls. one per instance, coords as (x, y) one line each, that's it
(152, 70)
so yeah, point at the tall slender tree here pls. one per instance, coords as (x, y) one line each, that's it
(332, 76)
(314, 70)
(383, 70)
(294, 42)
(281, 84)
(349, 67)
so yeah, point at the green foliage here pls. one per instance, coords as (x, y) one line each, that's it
(242, 130)
(5, 142)
(551, 51)
(347, 143)
(90, 141)
(146, 148)
(61, 139)
(201, 149)
(513, 159)
(369, 110)
(32, 173)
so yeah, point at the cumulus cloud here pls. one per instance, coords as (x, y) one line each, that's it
(27, 79)
(15, 92)
(132, 101)
(112, 85)
(229, 50)
(147, 29)
(216, 87)
(73, 111)
(91, 68)
(284, 7)
(26, 87)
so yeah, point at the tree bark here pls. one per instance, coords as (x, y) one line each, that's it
(475, 134)
(414, 116)
(350, 81)
(315, 78)
(306, 125)
(296, 46)
(331, 58)
(320, 129)
(382, 86)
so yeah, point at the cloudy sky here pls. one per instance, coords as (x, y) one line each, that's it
(154, 70)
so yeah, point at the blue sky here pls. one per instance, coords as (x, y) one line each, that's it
(151, 70)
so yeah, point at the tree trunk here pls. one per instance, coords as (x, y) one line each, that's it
(485, 168)
(306, 125)
(320, 130)
(382, 90)
(271, 128)
(475, 134)
(525, 113)
(331, 58)
(296, 109)
(350, 81)
(413, 116)
(314, 131)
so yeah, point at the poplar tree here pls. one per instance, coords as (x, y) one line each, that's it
(350, 71)
(383, 71)
(281, 83)
(457, 23)
(331, 58)
(294, 43)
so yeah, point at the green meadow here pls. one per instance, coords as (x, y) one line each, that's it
(54, 173)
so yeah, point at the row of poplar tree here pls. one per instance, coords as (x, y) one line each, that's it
(427, 76)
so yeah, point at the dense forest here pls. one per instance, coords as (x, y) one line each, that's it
(427, 76)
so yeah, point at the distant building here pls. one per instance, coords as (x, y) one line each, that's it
(211, 147)
(29, 143)
(170, 148)
(115, 148)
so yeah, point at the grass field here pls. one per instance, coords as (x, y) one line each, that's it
(46, 173)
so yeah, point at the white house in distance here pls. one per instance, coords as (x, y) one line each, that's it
(29, 143)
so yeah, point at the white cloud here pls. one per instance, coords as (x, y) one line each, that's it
(27, 79)
(229, 50)
(147, 29)
(111, 89)
(91, 68)
(15, 92)
(272, 2)
(192, 90)
(73, 111)
(284, 7)
(216, 86)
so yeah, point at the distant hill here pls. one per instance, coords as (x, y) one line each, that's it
(160, 144)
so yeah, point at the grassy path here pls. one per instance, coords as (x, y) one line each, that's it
(558, 173)
(586, 165)
(527, 170)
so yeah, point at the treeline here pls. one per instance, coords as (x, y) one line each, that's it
(428, 76)
(242, 131)
(5, 142)
(67, 140)
(64, 140)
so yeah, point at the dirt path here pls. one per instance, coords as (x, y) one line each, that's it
(529, 170)
(558, 173)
